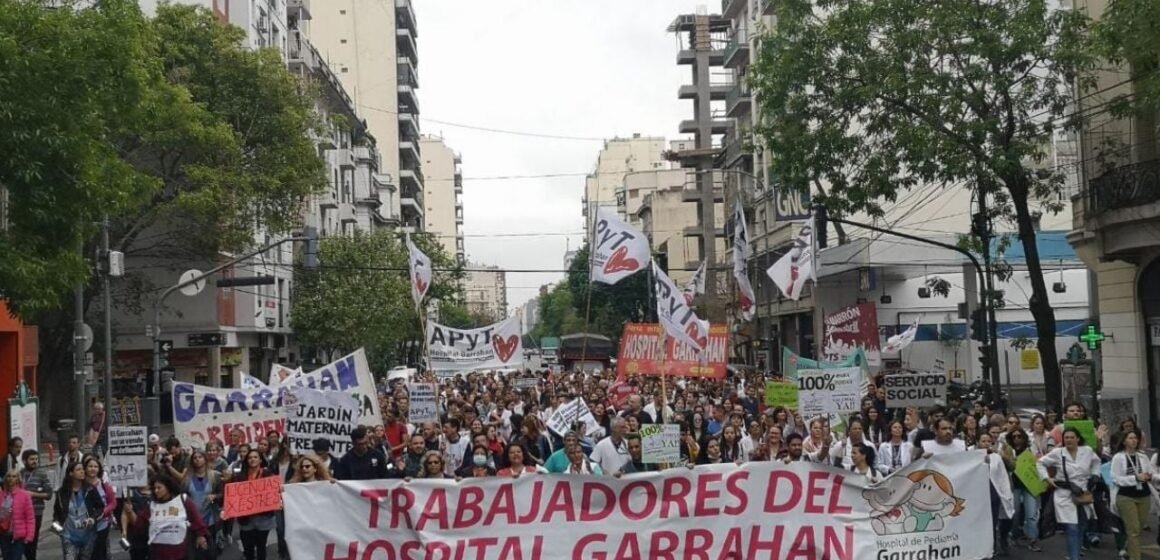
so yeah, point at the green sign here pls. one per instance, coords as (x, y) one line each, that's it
(1093, 337)
(1028, 473)
(1087, 429)
(781, 393)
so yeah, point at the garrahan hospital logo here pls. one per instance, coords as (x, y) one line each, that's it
(919, 502)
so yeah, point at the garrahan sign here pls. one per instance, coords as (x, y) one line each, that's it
(496, 346)
(932, 509)
(203, 414)
(640, 353)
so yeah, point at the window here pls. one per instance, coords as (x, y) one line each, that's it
(342, 41)
(342, 12)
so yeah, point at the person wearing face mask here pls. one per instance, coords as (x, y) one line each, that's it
(481, 463)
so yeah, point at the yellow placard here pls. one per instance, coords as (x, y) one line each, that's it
(1029, 358)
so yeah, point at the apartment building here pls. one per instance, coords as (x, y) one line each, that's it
(619, 159)
(371, 46)
(443, 197)
(673, 227)
(1116, 231)
(485, 292)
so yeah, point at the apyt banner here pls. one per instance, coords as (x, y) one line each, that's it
(496, 346)
(931, 509)
(203, 414)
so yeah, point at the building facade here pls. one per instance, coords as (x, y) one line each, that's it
(1116, 231)
(485, 292)
(619, 158)
(371, 45)
(443, 197)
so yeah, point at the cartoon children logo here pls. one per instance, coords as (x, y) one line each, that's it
(916, 503)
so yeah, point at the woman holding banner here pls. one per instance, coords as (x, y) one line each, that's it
(170, 519)
(255, 528)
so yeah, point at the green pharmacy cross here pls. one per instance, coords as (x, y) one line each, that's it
(1092, 337)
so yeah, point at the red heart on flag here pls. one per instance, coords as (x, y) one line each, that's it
(620, 262)
(694, 333)
(420, 284)
(504, 348)
(746, 303)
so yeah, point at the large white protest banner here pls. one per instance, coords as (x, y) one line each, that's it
(915, 389)
(202, 414)
(424, 407)
(496, 346)
(931, 509)
(125, 461)
(576, 410)
(312, 414)
(829, 391)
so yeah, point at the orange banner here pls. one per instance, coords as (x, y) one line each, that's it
(640, 355)
(252, 496)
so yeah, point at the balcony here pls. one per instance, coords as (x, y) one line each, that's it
(372, 200)
(408, 96)
(738, 102)
(405, 43)
(689, 56)
(408, 124)
(458, 183)
(718, 126)
(737, 51)
(1125, 187)
(693, 194)
(409, 153)
(731, 8)
(411, 179)
(405, 14)
(327, 200)
(299, 9)
(717, 92)
(405, 68)
(383, 182)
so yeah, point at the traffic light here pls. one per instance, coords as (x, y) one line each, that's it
(985, 357)
(978, 325)
(821, 223)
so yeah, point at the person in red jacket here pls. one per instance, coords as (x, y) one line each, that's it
(171, 520)
(17, 520)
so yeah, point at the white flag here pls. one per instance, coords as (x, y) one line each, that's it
(420, 272)
(695, 285)
(903, 339)
(280, 374)
(618, 249)
(791, 271)
(251, 382)
(678, 320)
(741, 252)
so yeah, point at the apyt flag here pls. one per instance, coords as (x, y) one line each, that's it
(618, 249)
(903, 339)
(741, 253)
(696, 285)
(251, 382)
(791, 271)
(420, 272)
(675, 316)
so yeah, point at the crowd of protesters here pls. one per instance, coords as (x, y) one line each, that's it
(490, 428)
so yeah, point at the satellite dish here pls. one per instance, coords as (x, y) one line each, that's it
(194, 288)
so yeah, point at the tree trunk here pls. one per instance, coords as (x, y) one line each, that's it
(1039, 304)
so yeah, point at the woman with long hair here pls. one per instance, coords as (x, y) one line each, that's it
(772, 446)
(1132, 473)
(876, 430)
(77, 508)
(95, 477)
(480, 466)
(282, 465)
(712, 452)
(894, 453)
(433, 466)
(170, 520)
(17, 517)
(255, 528)
(862, 459)
(1075, 466)
(731, 445)
(578, 463)
(495, 441)
(968, 429)
(518, 461)
(203, 486)
(1039, 441)
(534, 442)
(855, 436)
(1026, 503)
(308, 468)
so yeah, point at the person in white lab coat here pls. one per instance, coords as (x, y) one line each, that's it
(1131, 493)
(1075, 466)
(894, 453)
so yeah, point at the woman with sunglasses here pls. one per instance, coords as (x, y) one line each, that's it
(1026, 503)
(433, 464)
(308, 469)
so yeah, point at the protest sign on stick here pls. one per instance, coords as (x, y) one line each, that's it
(660, 443)
(252, 496)
(781, 393)
(125, 463)
(919, 390)
(315, 414)
(424, 406)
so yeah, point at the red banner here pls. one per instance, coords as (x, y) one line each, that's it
(253, 496)
(640, 355)
(850, 329)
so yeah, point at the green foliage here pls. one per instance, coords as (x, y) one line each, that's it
(611, 306)
(1127, 35)
(875, 97)
(456, 316)
(361, 296)
(557, 314)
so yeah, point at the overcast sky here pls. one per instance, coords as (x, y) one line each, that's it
(586, 68)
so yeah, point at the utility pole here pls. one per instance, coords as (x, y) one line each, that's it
(108, 271)
(80, 347)
(982, 227)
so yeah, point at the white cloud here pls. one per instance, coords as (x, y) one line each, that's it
(592, 68)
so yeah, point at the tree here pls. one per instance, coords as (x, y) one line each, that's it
(607, 308)
(557, 314)
(1126, 35)
(875, 97)
(360, 297)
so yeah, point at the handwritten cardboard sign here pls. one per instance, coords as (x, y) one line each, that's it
(251, 497)
(125, 462)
